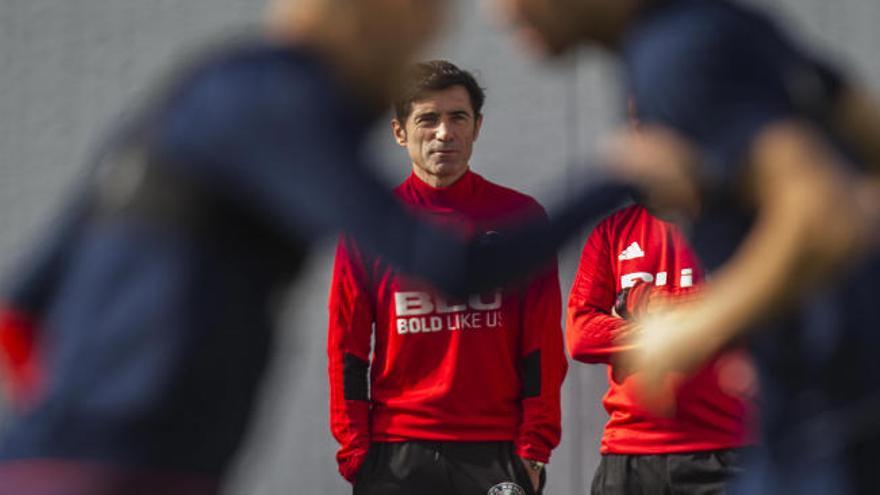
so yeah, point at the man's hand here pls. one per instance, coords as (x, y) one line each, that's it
(534, 474)
(632, 302)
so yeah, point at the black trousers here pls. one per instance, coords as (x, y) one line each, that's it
(443, 468)
(695, 473)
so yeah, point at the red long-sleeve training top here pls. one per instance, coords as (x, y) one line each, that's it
(21, 372)
(488, 368)
(632, 245)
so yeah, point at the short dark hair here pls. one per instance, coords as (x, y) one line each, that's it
(436, 75)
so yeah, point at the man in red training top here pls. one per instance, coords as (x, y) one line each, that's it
(463, 395)
(630, 259)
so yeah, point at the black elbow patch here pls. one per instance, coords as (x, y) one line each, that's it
(531, 375)
(355, 377)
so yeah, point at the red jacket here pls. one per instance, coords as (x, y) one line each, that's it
(486, 369)
(628, 246)
(21, 373)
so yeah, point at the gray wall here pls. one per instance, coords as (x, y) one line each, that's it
(68, 67)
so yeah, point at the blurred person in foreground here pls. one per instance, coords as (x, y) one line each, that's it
(770, 158)
(464, 393)
(154, 298)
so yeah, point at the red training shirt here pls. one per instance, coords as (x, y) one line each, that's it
(21, 373)
(488, 368)
(628, 246)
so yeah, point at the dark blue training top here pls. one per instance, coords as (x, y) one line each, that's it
(156, 291)
(719, 73)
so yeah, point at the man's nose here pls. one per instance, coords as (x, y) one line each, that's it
(444, 131)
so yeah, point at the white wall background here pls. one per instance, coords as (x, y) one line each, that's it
(68, 67)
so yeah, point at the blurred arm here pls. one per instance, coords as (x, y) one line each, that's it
(808, 224)
(544, 366)
(31, 288)
(287, 150)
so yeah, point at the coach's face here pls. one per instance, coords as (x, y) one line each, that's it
(439, 135)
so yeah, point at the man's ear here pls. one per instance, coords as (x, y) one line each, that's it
(399, 131)
(478, 124)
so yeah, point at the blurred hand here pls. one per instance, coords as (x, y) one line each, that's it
(671, 343)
